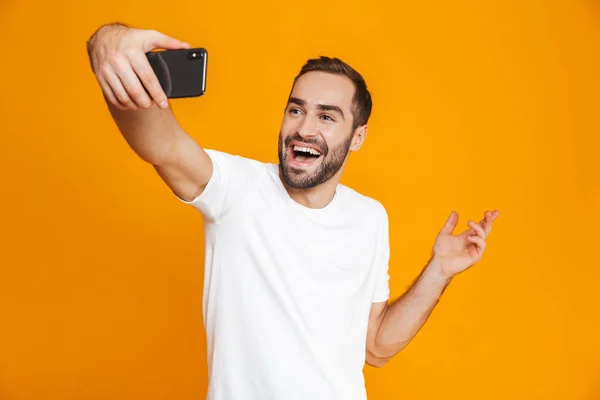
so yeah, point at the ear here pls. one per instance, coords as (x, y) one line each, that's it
(360, 134)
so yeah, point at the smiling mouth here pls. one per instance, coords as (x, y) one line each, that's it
(304, 155)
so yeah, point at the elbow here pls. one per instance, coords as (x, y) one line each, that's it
(376, 361)
(155, 157)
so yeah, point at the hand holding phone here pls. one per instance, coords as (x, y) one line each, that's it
(118, 56)
(181, 73)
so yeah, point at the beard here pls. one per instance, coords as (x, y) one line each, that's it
(330, 164)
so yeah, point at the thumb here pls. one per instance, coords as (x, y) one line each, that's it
(161, 41)
(450, 223)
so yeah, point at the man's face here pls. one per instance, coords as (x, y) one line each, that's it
(316, 132)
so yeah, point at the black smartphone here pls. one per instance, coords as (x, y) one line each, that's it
(182, 72)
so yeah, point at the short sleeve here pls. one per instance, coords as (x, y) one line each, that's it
(382, 286)
(232, 178)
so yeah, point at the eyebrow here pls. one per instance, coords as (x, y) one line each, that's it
(320, 107)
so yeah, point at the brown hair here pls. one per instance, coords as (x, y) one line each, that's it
(361, 102)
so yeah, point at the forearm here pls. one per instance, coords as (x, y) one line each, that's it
(149, 130)
(407, 314)
(151, 133)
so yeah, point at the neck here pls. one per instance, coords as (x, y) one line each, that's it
(316, 197)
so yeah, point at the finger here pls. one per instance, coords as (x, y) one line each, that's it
(450, 223)
(478, 241)
(163, 41)
(467, 233)
(495, 214)
(132, 84)
(110, 96)
(118, 89)
(489, 218)
(146, 74)
(486, 222)
(477, 228)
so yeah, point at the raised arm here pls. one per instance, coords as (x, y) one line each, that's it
(118, 59)
(393, 326)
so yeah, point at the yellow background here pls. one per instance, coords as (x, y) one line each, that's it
(477, 105)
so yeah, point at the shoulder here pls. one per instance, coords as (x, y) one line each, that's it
(230, 161)
(362, 205)
(234, 158)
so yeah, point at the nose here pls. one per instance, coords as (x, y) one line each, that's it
(308, 127)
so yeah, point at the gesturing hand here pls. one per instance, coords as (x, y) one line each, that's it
(454, 254)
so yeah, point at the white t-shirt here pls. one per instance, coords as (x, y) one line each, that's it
(287, 289)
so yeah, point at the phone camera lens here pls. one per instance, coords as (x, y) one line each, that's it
(195, 55)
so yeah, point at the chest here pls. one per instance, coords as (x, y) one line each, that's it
(280, 245)
(337, 244)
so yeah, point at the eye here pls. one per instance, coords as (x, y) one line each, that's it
(294, 111)
(327, 118)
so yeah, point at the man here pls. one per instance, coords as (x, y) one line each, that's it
(296, 271)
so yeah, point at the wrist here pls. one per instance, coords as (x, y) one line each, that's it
(105, 29)
(435, 269)
(111, 27)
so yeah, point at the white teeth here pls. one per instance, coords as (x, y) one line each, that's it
(307, 150)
